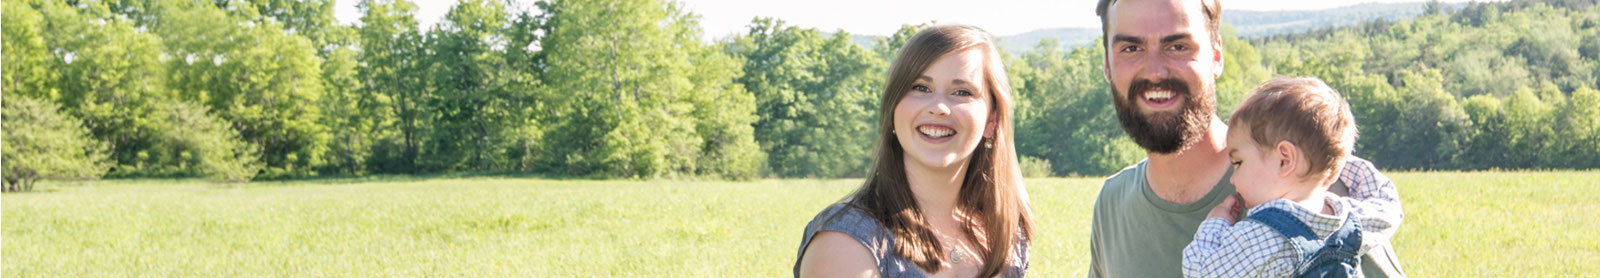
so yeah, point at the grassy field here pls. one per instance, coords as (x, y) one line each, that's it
(1476, 224)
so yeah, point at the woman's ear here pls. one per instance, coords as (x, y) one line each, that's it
(1288, 157)
(989, 125)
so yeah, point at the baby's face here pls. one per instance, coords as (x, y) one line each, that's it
(1255, 168)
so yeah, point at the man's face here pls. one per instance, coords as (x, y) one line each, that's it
(1163, 67)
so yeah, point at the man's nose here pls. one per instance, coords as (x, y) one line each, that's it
(1155, 66)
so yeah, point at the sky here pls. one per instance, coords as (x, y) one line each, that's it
(721, 18)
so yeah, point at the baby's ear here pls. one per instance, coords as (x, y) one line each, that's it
(1288, 156)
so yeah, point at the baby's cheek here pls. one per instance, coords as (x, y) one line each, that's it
(1251, 196)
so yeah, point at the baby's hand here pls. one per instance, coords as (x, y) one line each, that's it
(1228, 209)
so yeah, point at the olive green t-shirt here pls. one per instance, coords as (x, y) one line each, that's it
(1137, 234)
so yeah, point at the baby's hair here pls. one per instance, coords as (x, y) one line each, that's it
(1303, 111)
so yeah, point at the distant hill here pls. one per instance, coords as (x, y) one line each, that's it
(866, 41)
(1254, 24)
(1068, 37)
(1249, 24)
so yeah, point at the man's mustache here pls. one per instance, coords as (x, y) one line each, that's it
(1140, 86)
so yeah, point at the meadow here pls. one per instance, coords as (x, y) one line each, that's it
(1457, 224)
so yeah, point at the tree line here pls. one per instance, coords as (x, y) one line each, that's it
(236, 90)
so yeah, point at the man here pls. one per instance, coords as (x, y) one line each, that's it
(1162, 60)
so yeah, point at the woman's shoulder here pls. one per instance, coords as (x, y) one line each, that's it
(854, 222)
(847, 218)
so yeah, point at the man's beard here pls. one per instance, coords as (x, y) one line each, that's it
(1164, 132)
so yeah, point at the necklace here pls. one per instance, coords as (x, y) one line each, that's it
(956, 256)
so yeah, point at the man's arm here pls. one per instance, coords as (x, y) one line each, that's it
(1373, 197)
(1097, 264)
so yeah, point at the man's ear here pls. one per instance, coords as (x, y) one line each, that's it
(1217, 59)
(1105, 67)
(1288, 157)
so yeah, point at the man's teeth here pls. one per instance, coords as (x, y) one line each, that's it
(1158, 95)
(936, 132)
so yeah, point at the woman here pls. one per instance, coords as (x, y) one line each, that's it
(944, 196)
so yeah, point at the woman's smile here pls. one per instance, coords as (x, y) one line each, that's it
(936, 133)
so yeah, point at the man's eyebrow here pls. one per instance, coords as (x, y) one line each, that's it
(1126, 38)
(1174, 37)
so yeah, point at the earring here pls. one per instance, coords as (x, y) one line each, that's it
(988, 143)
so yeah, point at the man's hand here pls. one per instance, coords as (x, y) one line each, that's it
(1229, 209)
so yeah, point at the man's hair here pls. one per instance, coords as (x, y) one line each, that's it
(1303, 111)
(1211, 8)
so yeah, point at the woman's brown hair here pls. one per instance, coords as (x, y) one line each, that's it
(991, 197)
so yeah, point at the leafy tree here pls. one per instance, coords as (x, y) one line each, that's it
(351, 116)
(1435, 122)
(1514, 68)
(1489, 134)
(1064, 112)
(312, 19)
(1484, 71)
(237, 89)
(814, 96)
(207, 144)
(622, 70)
(1530, 119)
(1590, 47)
(469, 76)
(110, 75)
(1241, 73)
(28, 61)
(1582, 132)
(391, 71)
(43, 143)
(1376, 106)
(527, 98)
(265, 82)
(1549, 47)
(724, 114)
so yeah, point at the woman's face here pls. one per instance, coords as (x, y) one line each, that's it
(942, 119)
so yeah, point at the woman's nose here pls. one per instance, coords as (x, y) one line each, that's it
(939, 108)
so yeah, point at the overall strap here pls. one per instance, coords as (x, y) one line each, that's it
(1348, 237)
(1340, 255)
(1337, 256)
(1290, 227)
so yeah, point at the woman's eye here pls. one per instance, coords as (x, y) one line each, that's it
(1237, 162)
(920, 88)
(963, 93)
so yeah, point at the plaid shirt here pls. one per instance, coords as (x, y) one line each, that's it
(1250, 249)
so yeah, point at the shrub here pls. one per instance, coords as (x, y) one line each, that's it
(40, 142)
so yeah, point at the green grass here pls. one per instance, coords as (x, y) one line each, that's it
(1478, 224)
